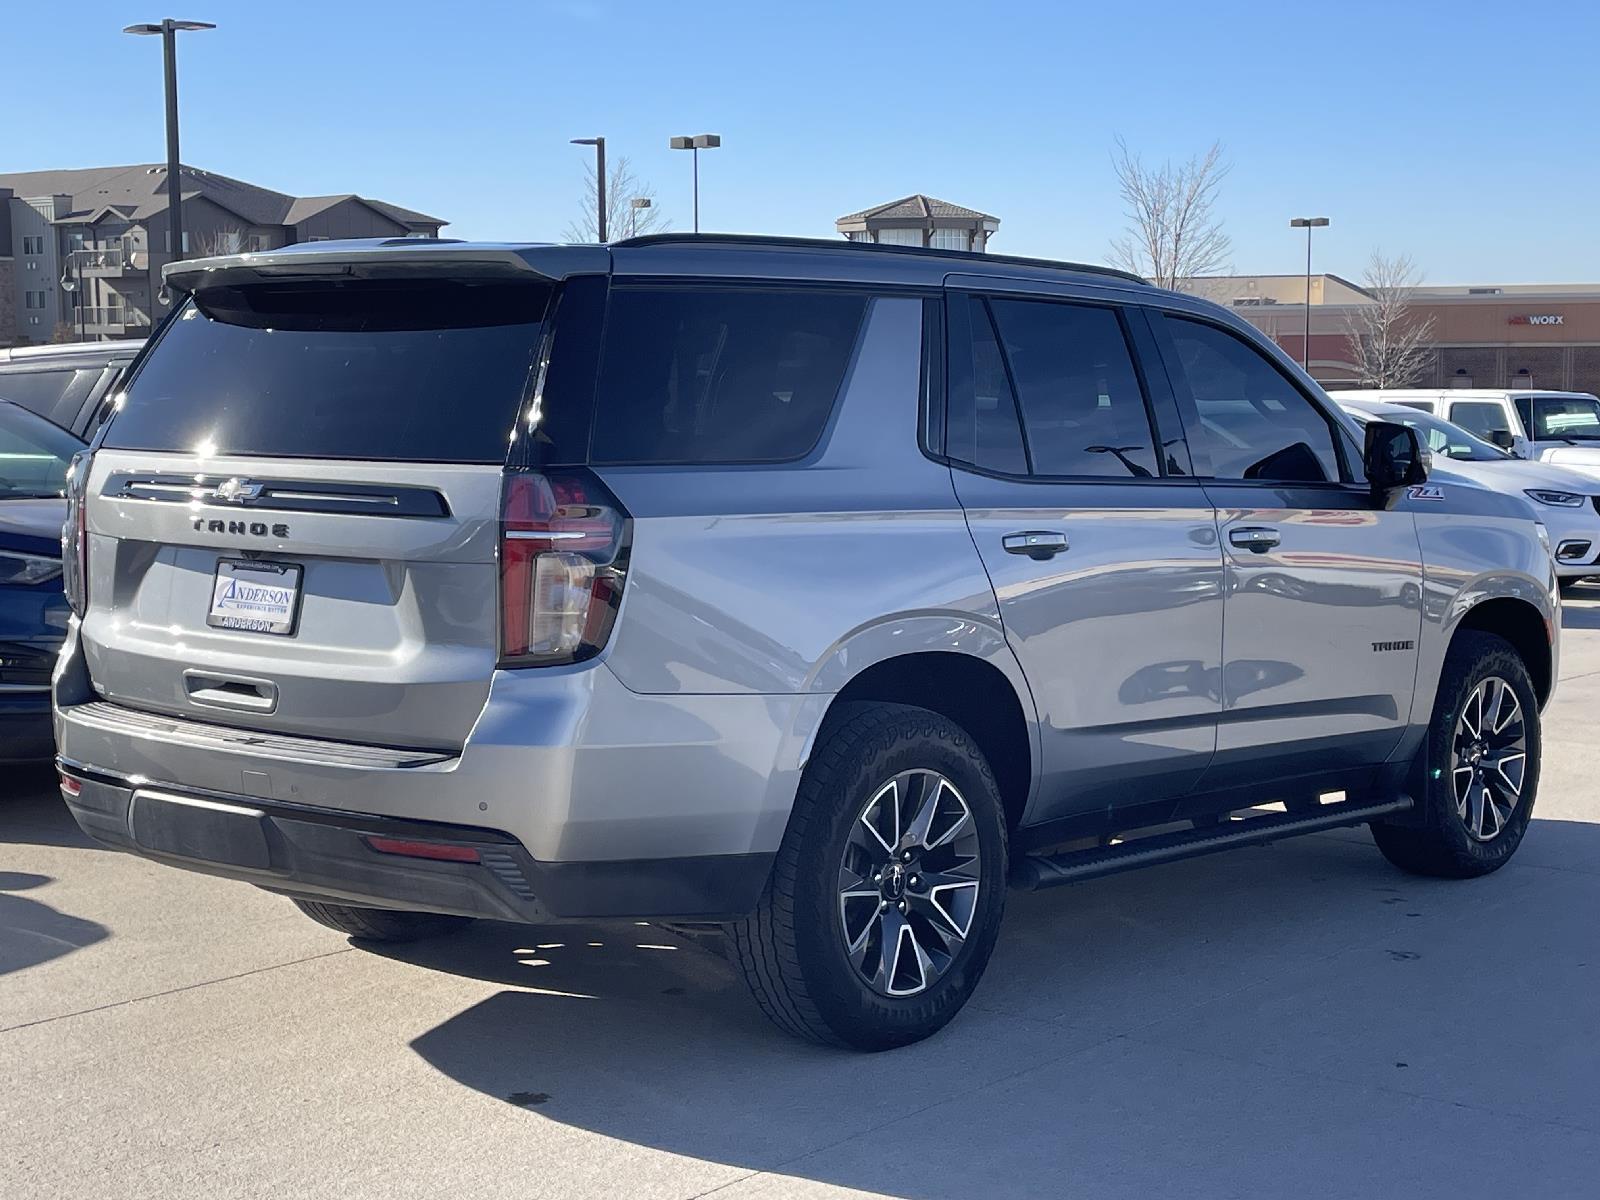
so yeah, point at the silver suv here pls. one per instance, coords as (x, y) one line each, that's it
(810, 591)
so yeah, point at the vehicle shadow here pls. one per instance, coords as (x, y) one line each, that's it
(32, 932)
(31, 810)
(1069, 1069)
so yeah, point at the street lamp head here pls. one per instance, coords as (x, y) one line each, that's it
(594, 141)
(680, 143)
(707, 141)
(148, 30)
(1308, 222)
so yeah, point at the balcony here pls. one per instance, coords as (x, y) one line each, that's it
(109, 262)
(119, 320)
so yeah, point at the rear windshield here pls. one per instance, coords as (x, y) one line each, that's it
(417, 371)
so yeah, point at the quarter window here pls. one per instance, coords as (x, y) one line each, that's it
(1253, 422)
(706, 376)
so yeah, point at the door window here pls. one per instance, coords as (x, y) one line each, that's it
(1253, 422)
(1083, 411)
(982, 427)
(1482, 417)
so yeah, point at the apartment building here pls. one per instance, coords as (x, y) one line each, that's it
(84, 248)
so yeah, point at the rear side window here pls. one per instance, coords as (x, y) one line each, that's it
(982, 425)
(399, 370)
(720, 376)
(1083, 410)
(37, 391)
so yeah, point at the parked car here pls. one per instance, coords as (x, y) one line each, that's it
(1558, 427)
(1568, 502)
(813, 591)
(34, 455)
(65, 384)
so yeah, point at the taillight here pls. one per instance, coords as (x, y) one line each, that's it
(75, 535)
(563, 561)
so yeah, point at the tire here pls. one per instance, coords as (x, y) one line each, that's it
(380, 924)
(872, 773)
(1446, 844)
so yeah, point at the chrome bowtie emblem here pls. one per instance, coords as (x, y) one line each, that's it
(237, 491)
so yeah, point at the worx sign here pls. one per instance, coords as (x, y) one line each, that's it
(1538, 319)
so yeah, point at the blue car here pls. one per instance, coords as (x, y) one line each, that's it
(34, 456)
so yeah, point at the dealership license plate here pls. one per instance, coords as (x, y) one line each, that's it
(262, 597)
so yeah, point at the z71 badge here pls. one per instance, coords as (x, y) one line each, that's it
(1425, 491)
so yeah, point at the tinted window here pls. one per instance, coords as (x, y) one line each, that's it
(35, 390)
(1082, 409)
(1482, 417)
(400, 370)
(34, 454)
(1525, 411)
(1254, 423)
(704, 376)
(983, 426)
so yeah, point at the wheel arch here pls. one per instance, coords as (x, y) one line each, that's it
(972, 691)
(1524, 627)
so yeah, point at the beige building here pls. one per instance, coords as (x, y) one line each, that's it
(1520, 335)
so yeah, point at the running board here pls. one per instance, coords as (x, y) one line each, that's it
(1051, 870)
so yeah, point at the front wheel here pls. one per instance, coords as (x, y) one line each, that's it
(886, 896)
(1478, 769)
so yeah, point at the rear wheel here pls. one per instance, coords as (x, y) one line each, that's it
(380, 924)
(1479, 767)
(886, 897)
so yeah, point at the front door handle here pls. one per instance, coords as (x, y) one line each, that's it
(1258, 539)
(1037, 544)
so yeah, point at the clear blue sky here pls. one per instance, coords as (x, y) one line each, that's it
(1463, 133)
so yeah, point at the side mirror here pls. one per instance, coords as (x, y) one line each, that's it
(1394, 457)
(1504, 438)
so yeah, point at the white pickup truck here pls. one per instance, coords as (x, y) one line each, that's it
(1558, 427)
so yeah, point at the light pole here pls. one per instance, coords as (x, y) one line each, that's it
(697, 143)
(1308, 224)
(169, 29)
(635, 207)
(599, 144)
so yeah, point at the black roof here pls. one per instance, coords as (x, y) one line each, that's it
(966, 257)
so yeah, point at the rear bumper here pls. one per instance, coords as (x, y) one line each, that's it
(325, 854)
(25, 733)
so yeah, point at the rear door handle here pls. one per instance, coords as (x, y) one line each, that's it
(1258, 539)
(1037, 544)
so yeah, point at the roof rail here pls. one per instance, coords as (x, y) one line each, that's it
(804, 243)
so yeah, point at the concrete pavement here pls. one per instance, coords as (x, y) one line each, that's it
(1299, 1019)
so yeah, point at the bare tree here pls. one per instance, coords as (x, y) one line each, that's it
(224, 239)
(622, 219)
(1388, 343)
(1174, 235)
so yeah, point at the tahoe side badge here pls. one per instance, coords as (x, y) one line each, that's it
(1425, 491)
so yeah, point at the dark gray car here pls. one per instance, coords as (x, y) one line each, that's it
(812, 591)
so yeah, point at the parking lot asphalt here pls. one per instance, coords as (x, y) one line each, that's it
(1293, 1020)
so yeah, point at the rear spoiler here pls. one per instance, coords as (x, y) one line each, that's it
(392, 258)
